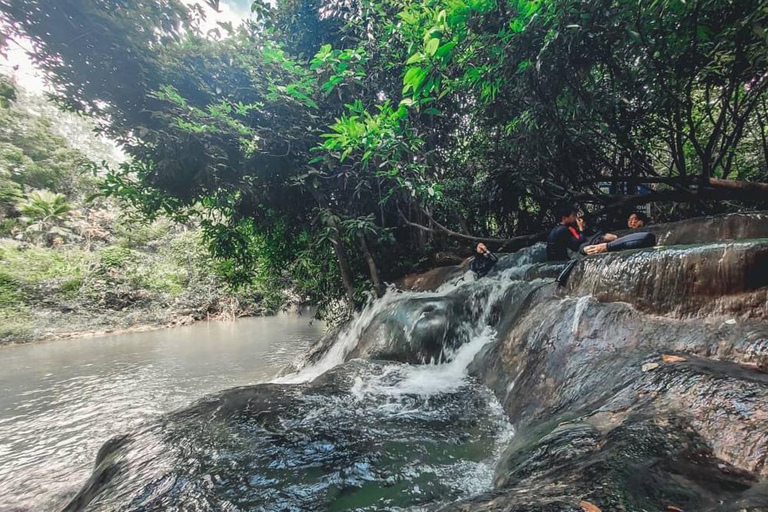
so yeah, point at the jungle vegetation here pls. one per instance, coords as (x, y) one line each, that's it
(338, 144)
(73, 262)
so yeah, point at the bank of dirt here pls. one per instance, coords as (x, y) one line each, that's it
(64, 292)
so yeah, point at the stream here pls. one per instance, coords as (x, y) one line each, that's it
(61, 400)
(503, 392)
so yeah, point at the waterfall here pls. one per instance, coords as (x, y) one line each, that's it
(411, 405)
(395, 378)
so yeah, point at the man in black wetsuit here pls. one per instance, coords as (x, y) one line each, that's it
(483, 261)
(569, 234)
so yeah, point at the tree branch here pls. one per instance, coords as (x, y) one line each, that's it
(503, 242)
(742, 186)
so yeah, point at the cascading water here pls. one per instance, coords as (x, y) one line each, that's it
(625, 386)
(341, 432)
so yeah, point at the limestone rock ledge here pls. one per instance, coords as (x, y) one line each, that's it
(640, 386)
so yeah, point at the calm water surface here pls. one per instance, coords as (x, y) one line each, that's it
(60, 401)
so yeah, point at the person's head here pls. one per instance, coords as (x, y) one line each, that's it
(637, 220)
(566, 214)
(481, 248)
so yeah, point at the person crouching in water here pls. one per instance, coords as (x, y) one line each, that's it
(569, 234)
(483, 261)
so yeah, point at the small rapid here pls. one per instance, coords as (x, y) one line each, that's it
(380, 415)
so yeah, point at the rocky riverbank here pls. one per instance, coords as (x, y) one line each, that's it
(639, 386)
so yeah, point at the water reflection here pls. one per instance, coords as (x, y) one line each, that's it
(60, 401)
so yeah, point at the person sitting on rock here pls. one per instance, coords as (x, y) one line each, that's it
(483, 261)
(637, 220)
(570, 234)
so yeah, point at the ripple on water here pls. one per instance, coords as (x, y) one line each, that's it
(329, 445)
(61, 401)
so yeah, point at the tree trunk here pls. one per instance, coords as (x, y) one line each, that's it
(377, 285)
(344, 268)
(338, 249)
(742, 186)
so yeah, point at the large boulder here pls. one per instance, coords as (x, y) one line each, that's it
(416, 329)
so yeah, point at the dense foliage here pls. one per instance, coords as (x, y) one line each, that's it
(325, 143)
(71, 261)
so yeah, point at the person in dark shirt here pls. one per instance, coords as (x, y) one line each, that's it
(569, 234)
(637, 240)
(483, 261)
(637, 220)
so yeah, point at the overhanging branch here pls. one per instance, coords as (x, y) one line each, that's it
(502, 242)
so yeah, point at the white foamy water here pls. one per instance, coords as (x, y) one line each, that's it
(493, 288)
(425, 380)
(345, 342)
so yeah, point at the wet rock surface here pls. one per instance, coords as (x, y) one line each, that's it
(690, 434)
(339, 443)
(713, 279)
(417, 330)
(639, 386)
(732, 226)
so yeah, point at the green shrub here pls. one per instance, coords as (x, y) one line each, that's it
(116, 257)
(9, 290)
(158, 274)
(34, 264)
(15, 319)
(133, 234)
(7, 225)
(71, 287)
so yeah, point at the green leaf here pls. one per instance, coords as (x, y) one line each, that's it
(411, 74)
(432, 46)
(413, 78)
(445, 49)
(419, 79)
(415, 58)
